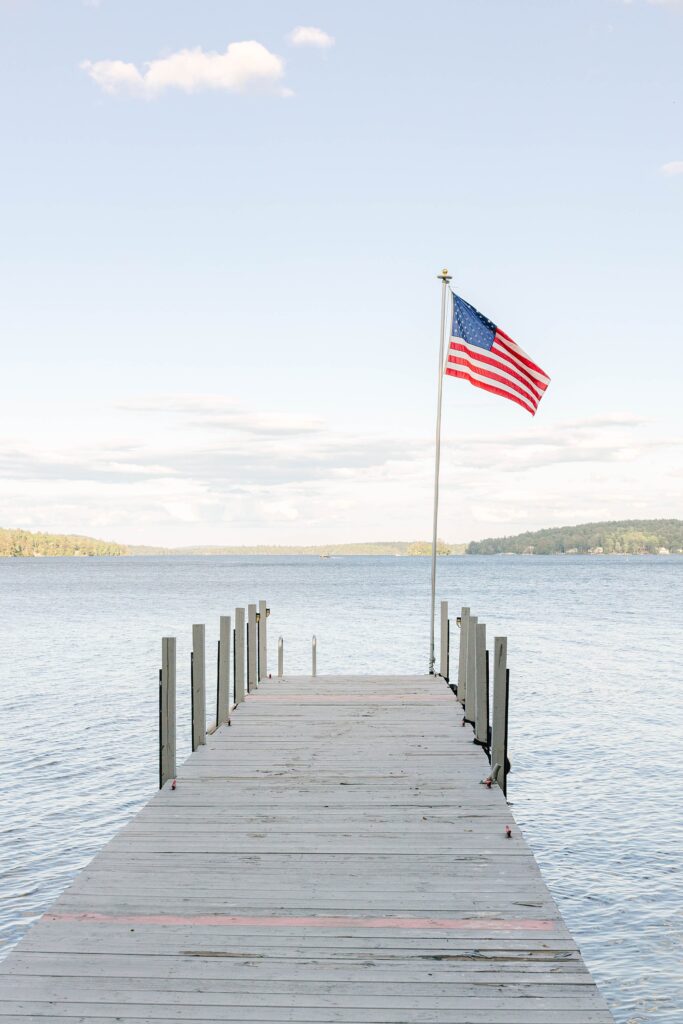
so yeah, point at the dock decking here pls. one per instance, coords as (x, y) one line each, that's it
(330, 856)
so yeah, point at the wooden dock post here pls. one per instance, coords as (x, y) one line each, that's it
(314, 657)
(167, 737)
(252, 681)
(280, 657)
(471, 674)
(238, 656)
(223, 688)
(262, 640)
(481, 698)
(198, 686)
(499, 731)
(444, 638)
(462, 655)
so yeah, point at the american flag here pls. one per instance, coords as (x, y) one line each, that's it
(485, 356)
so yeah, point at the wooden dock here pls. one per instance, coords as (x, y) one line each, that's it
(330, 856)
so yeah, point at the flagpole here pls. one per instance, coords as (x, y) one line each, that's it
(445, 278)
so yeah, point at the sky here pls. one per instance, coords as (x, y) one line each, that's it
(221, 229)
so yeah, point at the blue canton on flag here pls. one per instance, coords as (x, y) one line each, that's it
(471, 325)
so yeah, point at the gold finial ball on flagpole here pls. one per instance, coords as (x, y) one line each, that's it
(444, 275)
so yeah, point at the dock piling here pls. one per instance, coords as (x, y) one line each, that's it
(280, 658)
(167, 712)
(499, 731)
(223, 688)
(252, 672)
(481, 699)
(262, 640)
(462, 655)
(471, 672)
(314, 657)
(198, 678)
(238, 656)
(444, 638)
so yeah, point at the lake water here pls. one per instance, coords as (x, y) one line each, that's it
(596, 716)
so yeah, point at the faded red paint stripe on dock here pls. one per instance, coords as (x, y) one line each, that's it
(241, 921)
(341, 698)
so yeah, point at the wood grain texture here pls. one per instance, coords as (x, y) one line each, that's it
(198, 685)
(471, 684)
(330, 857)
(263, 640)
(167, 723)
(499, 731)
(481, 687)
(462, 654)
(238, 657)
(252, 649)
(443, 641)
(224, 652)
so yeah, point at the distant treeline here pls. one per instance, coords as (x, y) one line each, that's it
(22, 543)
(623, 537)
(629, 537)
(388, 547)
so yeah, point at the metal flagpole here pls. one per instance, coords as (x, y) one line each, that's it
(445, 278)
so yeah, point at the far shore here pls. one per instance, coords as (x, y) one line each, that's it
(618, 537)
(353, 554)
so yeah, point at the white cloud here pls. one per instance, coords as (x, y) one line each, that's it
(308, 35)
(672, 168)
(245, 66)
(115, 75)
(224, 413)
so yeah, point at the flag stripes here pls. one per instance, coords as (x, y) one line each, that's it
(482, 354)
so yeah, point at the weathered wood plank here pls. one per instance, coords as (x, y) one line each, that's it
(471, 670)
(481, 692)
(262, 640)
(499, 728)
(238, 657)
(444, 642)
(198, 686)
(252, 649)
(36, 1013)
(167, 722)
(223, 689)
(462, 654)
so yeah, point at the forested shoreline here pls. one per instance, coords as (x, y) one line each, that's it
(620, 537)
(25, 544)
